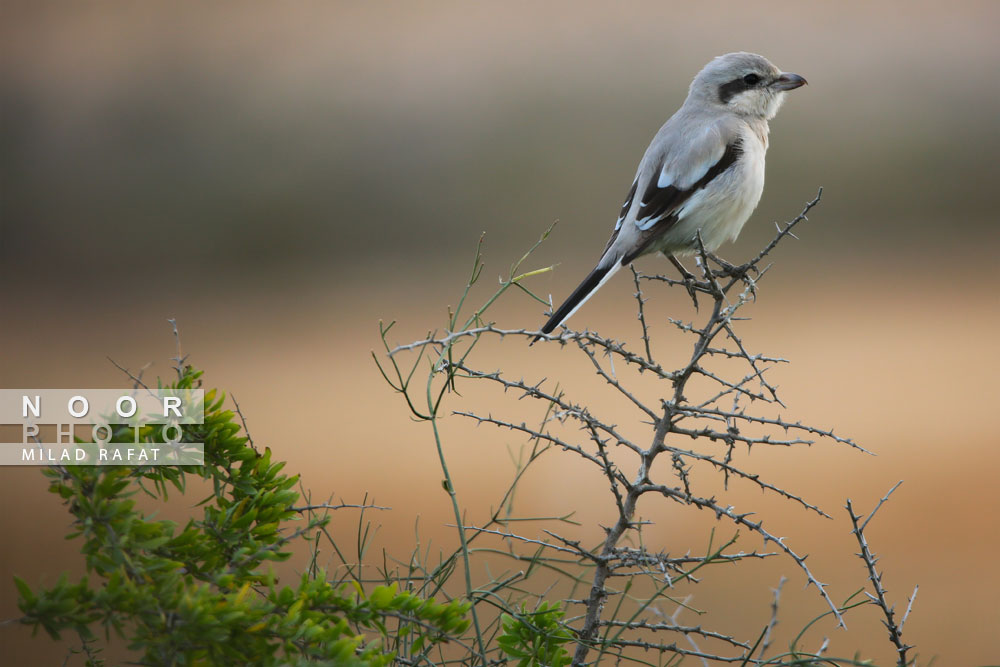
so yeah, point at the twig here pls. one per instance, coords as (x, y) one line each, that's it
(137, 380)
(341, 506)
(642, 312)
(774, 616)
(179, 358)
(246, 429)
(870, 560)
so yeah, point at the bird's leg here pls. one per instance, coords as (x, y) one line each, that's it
(688, 278)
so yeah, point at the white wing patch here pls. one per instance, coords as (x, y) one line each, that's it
(628, 204)
(646, 223)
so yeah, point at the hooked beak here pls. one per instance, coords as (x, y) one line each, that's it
(788, 81)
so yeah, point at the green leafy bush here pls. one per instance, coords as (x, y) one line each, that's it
(205, 593)
(536, 637)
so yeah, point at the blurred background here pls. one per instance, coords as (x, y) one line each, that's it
(279, 177)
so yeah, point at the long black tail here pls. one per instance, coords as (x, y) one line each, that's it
(579, 296)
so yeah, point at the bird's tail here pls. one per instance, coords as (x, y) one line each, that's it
(584, 291)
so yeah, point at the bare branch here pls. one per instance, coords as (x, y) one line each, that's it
(773, 622)
(339, 506)
(642, 312)
(875, 577)
(719, 408)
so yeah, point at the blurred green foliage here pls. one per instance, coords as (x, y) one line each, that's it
(203, 594)
(536, 637)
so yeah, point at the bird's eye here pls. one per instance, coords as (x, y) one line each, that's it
(751, 79)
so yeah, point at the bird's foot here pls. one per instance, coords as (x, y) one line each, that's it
(727, 270)
(741, 272)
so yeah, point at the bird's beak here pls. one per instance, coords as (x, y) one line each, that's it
(788, 81)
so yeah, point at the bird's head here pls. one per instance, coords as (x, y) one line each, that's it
(744, 83)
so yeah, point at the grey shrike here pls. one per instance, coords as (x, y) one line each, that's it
(703, 171)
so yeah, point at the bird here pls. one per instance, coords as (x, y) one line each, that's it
(703, 172)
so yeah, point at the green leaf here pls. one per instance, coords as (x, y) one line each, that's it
(24, 590)
(382, 596)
